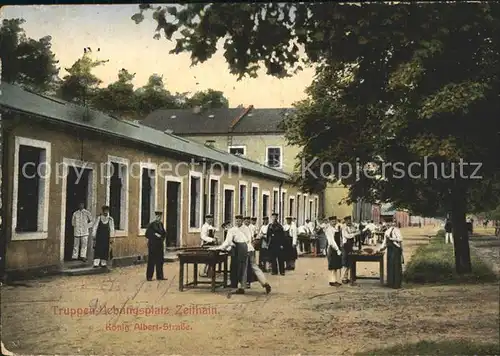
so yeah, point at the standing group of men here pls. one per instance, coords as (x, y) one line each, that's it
(276, 243)
(102, 230)
(240, 239)
(342, 238)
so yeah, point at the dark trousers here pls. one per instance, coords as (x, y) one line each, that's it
(263, 258)
(155, 261)
(277, 262)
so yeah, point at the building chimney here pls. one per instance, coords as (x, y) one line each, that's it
(210, 143)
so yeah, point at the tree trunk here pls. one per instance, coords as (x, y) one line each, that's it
(460, 234)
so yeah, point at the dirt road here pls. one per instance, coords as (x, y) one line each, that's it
(303, 315)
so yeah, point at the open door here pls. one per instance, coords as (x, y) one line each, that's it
(77, 190)
(173, 223)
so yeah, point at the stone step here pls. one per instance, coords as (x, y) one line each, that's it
(84, 271)
(75, 264)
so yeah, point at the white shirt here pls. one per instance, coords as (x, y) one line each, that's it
(263, 230)
(247, 231)
(292, 231)
(253, 230)
(330, 236)
(204, 233)
(82, 222)
(234, 235)
(348, 232)
(105, 220)
(393, 234)
(371, 227)
(302, 230)
(310, 226)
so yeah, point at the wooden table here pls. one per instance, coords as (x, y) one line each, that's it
(357, 257)
(205, 257)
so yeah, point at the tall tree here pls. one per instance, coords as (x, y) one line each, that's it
(154, 96)
(395, 83)
(81, 85)
(26, 61)
(117, 98)
(209, 99)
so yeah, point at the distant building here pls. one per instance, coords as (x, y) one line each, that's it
(255, 134)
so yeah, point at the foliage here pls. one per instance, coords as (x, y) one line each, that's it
(396, 93)
(209, 99)
(154, 96)
(81, 85)
(438, 348)
(25, 61)
(117, 98)
(434, 263)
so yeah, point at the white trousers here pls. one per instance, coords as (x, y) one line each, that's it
(448, 237)
(80, 244)
(336, 275)
(255, 268)
(98, 261)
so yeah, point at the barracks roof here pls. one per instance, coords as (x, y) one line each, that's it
(16, 98)
(217, 121)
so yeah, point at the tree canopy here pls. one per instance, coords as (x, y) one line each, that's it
(32, 64)
(395, 83)
(25, 61)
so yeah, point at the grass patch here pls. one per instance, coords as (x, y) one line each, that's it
(451, 347)
(435, 263)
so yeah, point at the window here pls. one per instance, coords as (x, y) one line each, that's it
(243, 199)
(117, 192)
(31, 189)
(304, 207)
(310, 210)
(291, 208)
(282, 205)
(316, 208)
(228, 203)
(299, 211)
(147, 200)
(255, 201)
(237, 150)
(195, 203)
(275, 200)
(274, 158)
(265, 204)
(214, 199)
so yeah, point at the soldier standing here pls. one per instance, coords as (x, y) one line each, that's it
(277, 243)
(155, 233)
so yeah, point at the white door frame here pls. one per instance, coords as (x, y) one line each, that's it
(91, 197)
(181, 196)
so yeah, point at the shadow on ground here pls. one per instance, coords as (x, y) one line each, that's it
(450, 347)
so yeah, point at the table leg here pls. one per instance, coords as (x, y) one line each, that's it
(353, 271)
(382, 271)
(213, 277)
(225, 272)
(181, 277)
(195, 269)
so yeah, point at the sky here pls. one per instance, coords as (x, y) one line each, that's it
(130, 46)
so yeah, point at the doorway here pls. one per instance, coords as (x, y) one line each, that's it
(77, 190)
(228, 205)
(173, 208)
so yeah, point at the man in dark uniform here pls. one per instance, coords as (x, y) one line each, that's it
(264, 245)
(277, 243)
(155, 233)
